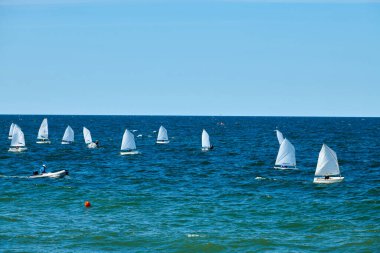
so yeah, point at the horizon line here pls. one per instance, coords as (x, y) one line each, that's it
(189, 115)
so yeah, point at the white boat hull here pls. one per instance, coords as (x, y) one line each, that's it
(65, 143)
(92, 145)
(20, 149)
(162, 142)
(57, 174)
(43, 142)
(283, 168)
(330, 180)
(133, 152)
(9, 137)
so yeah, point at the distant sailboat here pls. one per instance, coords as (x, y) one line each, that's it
(11, 131)
(327, 170)
(43, 133)
(18, 140)
(280, 137)
(68, 136)
(286, 157)
(88, 139)
(206, 145)
(162, 137)
(128, 145)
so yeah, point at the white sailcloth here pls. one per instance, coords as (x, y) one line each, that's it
(327, 162)
(128, 142)
(205, 139)
(18, 139)
(68, 136)
(162, 134)
(280, 137)
(87, 136)
(286, 154)
(43, 133)
(11, 130)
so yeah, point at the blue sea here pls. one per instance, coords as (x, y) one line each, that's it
(176, 198)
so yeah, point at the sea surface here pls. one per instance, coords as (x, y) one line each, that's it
(176, 198)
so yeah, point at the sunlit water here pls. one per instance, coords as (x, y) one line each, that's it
(175, 198)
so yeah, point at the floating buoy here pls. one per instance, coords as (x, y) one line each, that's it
(87, 204)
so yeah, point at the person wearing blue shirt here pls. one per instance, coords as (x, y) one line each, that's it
(43, 169)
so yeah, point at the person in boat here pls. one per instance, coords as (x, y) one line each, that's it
(97, 143)
(327, 177)
(211, 147)
(43, 169)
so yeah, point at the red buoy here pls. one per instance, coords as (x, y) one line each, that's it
(87, 204)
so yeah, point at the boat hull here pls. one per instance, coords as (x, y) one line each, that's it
(283, 168)
(43, 142)
(330, 180)
(133, 152)
(16, 150)
(57, 174)
(92, 145)
(65, 143)
(162, 142)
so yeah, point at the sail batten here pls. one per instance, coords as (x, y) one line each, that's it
(286, 154)
(205, 139)
(128, 142)
(327, 162)
(43, 132)
(68, 136)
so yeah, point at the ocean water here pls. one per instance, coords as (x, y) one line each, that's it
(175, 198)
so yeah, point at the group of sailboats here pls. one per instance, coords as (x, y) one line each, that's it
(327, 170)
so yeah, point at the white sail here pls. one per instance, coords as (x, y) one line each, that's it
(128, 142)
(11, 131)
(68, 136)
(280, 137)
(87, 136)
(18, 139)
(327, 162)
(43, 133)
(205, 139)
(286, 154)
(162, 134)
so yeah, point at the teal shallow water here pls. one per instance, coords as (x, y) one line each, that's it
(175, 198)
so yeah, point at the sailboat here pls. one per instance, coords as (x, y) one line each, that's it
(128, 145)
(162, 137)
(327, 171)
(206, 145)
(43, 133)
(280, 137)
(11, 131)
(68, 136)
(286, 157)
(18, 140)
(88, 139)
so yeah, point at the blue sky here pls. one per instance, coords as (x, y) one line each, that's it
(211, 57)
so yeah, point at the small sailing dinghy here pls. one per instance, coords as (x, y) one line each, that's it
(128, 145)
(206, 145)
(18, 140)
(327, 171)
(162, 137)
(88, 139)
(11, 131)
(43, 133)
(286, 157)
(68, 136)
(280, 137)
(57, 174)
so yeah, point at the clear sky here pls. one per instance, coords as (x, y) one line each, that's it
(209, 57)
